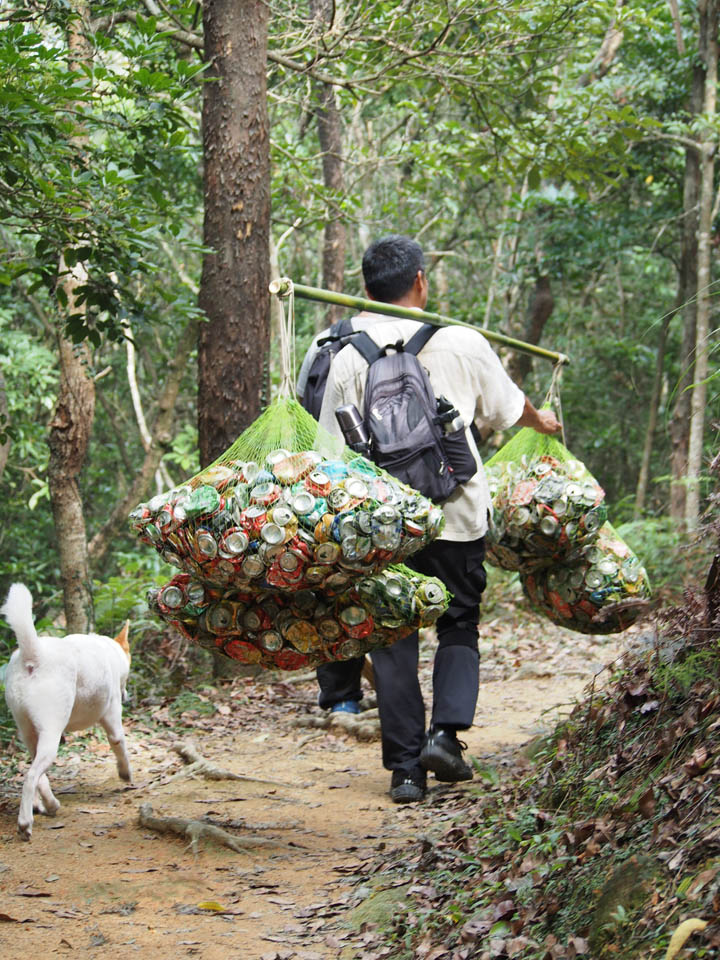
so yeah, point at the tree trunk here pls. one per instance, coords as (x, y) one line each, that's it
(71, 425)
(331, 143)
(233, 346)
(687, 287)
(540, 307)
(70, 431)
(644, 475)
(708, 10)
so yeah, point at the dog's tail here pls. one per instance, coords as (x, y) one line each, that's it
(17, 610)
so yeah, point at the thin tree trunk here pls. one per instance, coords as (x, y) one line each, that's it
(4, 424)
(233, 346)
(161, 435)
(71, 428)
(709, 49)
(540, 306)
(644, 474)
(687, 288)
(330, 135)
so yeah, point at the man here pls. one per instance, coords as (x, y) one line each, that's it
(463, 367)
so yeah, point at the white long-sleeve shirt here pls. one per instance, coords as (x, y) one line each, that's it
(463, 367)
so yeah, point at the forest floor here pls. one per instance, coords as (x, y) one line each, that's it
(94, 882)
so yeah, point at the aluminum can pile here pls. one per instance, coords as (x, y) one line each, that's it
(544, 511)
(253, 543)
(291, 631)
(601, 592)
(293, 522)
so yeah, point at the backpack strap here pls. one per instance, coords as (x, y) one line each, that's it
(343, 328)
(419, 339)
(370, 351)
(366, 347)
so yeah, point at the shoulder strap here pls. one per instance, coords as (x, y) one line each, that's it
(343, 328)
(370, 351)
(419, 339)
(366, 347)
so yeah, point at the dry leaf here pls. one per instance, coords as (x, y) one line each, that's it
(646, 803)
(683, 932)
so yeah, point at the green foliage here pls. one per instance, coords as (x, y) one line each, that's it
(669, 558)
(89, 156)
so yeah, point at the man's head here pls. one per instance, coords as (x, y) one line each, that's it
(394, 269)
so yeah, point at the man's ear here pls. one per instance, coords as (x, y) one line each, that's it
(368, 295)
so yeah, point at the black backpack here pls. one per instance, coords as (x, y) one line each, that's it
(413, 436)
(320, 367)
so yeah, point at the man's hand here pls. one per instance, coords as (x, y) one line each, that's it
(547, 422)
(544, 421)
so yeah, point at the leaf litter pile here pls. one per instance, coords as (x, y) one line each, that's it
(601, 840)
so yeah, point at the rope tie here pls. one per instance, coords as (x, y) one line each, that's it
(287, 345)
(552, 399)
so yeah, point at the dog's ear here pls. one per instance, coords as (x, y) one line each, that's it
(122, 638)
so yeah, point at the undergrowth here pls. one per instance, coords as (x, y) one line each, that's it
(601, 838)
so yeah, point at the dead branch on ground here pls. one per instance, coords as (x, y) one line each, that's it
(196, 830)
(199, 766)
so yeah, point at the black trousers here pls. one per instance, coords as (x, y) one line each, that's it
(455, 669)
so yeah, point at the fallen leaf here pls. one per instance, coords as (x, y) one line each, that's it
(682, 933)
(211, 905)
(646, 803)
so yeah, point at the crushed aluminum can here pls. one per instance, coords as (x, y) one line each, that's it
(318, 484)
(328, 628)
(252, 567)
(303, 636)
(356, 621)
(242, 651)
(271, 641)
(265, 494)
(253, 518)
(203, 501)
(221, 618)
(326, 553)
(233, 543)
(273, 534)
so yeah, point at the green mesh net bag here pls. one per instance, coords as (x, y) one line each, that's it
(290, 519)
(547, 508)
(603, 591)
(310, 514)
(305, 628)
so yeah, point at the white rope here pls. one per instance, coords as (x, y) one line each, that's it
(287, 345)
(553, 397)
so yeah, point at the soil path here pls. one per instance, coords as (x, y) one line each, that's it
(95, 883)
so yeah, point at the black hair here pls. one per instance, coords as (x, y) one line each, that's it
(390, 266)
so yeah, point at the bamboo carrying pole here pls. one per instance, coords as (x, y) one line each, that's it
(283, 287)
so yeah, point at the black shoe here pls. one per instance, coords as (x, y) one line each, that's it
(408, 786)
(442, 754)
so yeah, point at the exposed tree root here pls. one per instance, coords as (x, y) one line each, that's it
(362, 726)
(199, 766)
(196, 830)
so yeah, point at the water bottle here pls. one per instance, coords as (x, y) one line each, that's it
(353, 428)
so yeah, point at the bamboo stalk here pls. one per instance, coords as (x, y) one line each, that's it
(283, 286)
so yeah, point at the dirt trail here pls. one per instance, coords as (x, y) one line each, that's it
(94, 883)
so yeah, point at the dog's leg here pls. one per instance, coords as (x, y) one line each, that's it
(112, 724)
(45, 755)
(49, 804)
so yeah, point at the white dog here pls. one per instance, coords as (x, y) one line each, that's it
(56, 684)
